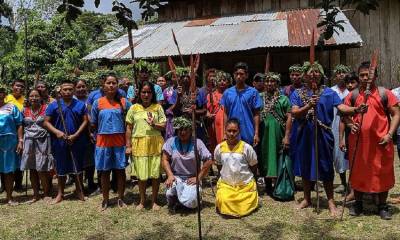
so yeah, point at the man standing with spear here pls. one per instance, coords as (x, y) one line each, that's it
(313, 106)
(371, 169)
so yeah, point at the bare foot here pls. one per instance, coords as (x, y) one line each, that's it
(350, 197)
(80, 196)
(58, 199)
(395, 200)
(33, 200)
(104, 205)
(12, 203)
(155, 207)
(333, 210)
(121, 203)
(304, 204)
(140, 207)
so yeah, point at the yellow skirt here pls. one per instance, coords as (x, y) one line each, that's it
(236, 201)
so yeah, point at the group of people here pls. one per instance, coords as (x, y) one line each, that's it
(243, 127)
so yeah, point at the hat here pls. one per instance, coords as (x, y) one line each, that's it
(341, 69)
(296, 68)
(273, 76)
(181, 122)
(307, 66)
(259, 76)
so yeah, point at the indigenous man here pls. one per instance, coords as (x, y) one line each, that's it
(68, 147)
(373, 164)
(315, 104)
(179, 163)
(258, 82)
(295, 74)
(237, 163)
(17, 98)
(276, 123)
(340, 163)
(243, 103)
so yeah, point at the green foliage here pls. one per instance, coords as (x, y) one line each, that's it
(55, 49)
(328, 22)
(153, 68)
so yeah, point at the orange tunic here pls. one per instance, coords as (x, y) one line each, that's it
(373, 171)
(216, 130)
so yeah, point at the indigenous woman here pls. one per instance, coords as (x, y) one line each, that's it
(215, 111)
(237, 163)
(107, 116)
(44, 92)
(179, 163)
(36, 155)
(145, 121)
(276, 123)
(11, 134)
(315, 104)
(81, 93)
(170, 96)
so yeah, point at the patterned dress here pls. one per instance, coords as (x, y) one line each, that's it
(37, 146)
(273, 122)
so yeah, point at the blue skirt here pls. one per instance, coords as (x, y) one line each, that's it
(108, 158)
(305, 152)
(9, 160)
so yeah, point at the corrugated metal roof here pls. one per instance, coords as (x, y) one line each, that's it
(225, 34)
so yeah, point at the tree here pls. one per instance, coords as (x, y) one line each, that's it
(331, 9)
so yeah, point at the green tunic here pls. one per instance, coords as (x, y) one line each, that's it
(273, 119)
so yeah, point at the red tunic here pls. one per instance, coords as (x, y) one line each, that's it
(373, 171)
(216, 131)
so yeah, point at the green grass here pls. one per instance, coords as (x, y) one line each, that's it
(274, 220)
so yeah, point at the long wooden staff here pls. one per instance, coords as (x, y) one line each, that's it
(315, 120)
(267, 63)
(132, 49)
(177, 46)
(60, 111)
(193, 67)
(371, 75)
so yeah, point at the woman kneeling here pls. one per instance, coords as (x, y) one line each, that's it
(236, 161)
(179, 163)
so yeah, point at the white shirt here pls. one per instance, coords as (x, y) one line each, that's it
(235, 162)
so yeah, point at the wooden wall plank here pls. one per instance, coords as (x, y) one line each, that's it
(394, 36)
(249, 5)
(267, 4)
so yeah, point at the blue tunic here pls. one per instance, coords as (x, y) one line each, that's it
(73, 115)
(242, 105)
(304, 146)
(157, 89)
(10, 120)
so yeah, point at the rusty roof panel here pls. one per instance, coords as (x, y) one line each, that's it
(201, 22)
(225, 34)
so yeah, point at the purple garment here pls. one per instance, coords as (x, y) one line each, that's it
(170, 95)
(184, 164)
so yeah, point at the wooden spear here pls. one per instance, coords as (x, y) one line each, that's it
(177, 46)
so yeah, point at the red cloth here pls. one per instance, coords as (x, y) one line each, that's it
(216, 131)
(373, 170)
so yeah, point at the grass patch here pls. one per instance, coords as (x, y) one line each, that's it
(274, 220)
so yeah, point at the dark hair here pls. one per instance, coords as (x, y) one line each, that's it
(258, 77)
(40, 82)
(81, 80)
(144, 70)
(241, 65)
(18, 81)
(209, 71)
(234, 121)
(366, 65)
(351, 76)
(28, 104)
(67, 81)
(153, 92)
